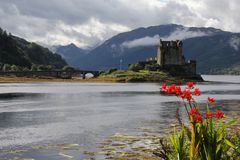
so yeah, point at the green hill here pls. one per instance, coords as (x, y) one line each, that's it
(19, 52)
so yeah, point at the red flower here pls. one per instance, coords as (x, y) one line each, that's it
(196, 92)
(178, 90)
(219, 114)
(189, 84)
(186, 95)
(211, 100)
(198, 118)
(164, 86)
(193, 111)
(171, 89)
(209, 115)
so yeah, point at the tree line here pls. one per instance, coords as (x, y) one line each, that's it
(34, 67)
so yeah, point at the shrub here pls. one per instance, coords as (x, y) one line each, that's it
(204, 136)
(152, 67)
(6, 67)
(112, 70)
(25, 69)
(68, 68)
(34, 67)
(135, 67)
(102, 73)
(15, 68)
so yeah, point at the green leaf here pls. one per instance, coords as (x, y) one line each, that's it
(229, 123)
(227, 142)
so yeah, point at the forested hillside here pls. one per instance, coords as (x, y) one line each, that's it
(23, 54)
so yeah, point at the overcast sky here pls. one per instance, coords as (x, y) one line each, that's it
(89, 22)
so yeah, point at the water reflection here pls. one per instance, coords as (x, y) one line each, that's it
(33, 114)
(9, 96)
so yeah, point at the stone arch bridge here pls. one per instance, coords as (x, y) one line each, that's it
(55, 74)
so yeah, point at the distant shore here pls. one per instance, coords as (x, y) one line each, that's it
(15, 79)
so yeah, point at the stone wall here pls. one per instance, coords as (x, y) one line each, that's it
(170, 53)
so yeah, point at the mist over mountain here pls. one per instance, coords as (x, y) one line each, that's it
(214, 49)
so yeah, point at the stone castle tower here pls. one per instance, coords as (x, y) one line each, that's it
(170, 53)
(170, 57)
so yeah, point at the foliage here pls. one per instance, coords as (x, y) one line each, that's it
(206, 135)
(25, 69)
(45, 68)
(68, 68)
(15, 68)
(34, 67)
(135, 67)
(112, 70)
(6, 67)
(19, 52)
(141, 75)
(152, 67)
(177, 141)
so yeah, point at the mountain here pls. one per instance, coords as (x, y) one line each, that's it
(214, 49)
(216, 54)
(19, 52)
(71, 53)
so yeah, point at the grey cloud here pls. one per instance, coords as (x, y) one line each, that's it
(184, 33)
(89, 22)
(145, 41)
(179, 34)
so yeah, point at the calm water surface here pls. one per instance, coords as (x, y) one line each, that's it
(35, 114)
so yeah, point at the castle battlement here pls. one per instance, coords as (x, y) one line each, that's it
(170, 44)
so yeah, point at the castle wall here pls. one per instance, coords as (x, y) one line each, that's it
(191, 67)
(170, 53)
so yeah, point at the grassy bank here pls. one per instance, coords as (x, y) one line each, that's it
(114, 76)
(146, 76)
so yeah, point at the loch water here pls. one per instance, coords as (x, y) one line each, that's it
(39, 114)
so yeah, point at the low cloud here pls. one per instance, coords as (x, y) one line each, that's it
(235, 43)
(185, 33)
(146, 41)
(178, 34)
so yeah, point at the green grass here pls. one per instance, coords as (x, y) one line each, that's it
(143, 76)
(131, 74)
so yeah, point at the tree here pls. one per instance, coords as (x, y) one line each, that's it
(6, 67)
(68, 68)
(34, 67)
(112, 70)
(1, 65)
(151, 67)
(135, 67)
(14, 68)
(25, 69)
(1, 31)
(41, 68)
(49, 68)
